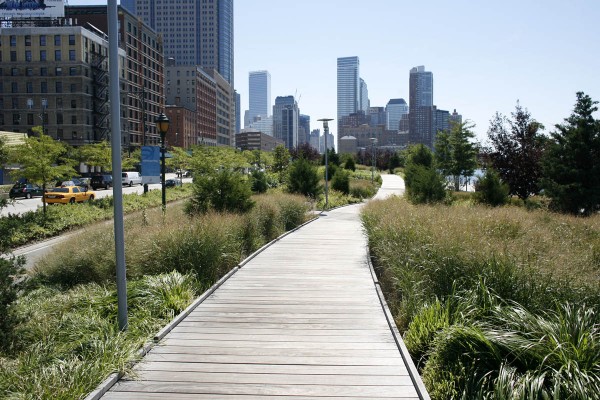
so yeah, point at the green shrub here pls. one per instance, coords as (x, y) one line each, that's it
(341, 181)
(222, 191)
(9, 286)
(303, 178)
(362, 189)
(491, 190)
(350, 164)
(259, 181)
(424, 184)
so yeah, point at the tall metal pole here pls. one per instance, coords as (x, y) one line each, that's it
(372, 160)
(326, 133)
(115, 112)
(162, 170)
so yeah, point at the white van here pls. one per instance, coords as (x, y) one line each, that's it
(131, 178)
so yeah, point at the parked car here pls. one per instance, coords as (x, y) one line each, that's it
(68, 194)
(72, 182)
(172, 182)
(27, 190)
(131, 178)
(101, 181)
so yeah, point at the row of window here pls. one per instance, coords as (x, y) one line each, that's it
(16, 87)
(43, 40)
(58, 71)
(43, 56)
(30, 103)
(30, 120)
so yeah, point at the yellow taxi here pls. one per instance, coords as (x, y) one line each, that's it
(68, 194)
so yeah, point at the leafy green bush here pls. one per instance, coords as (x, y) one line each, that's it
(350, 164)
(491, 190)
(9, 287)
(223, 190)
(303, 178)
(424, 184)
(259, 181)
(341, 181)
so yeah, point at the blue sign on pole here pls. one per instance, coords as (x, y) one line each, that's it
(150, 164)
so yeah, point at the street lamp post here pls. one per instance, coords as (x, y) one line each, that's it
(373, 141)
(326, 133)
(162, 123)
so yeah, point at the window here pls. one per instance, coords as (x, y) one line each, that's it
(44, 87)
(74, 119)
(16, 119)
(13, 56)
(73, 103)
(15, 87)
(59, 119)
(15, 103)
(73, 87)
(28, 55)
(59, 103)
(29, 72)
(71, 55)
(59, 87)
(43, 56)
(29, 86)
(27, 40)
(57, 55)
(29, 119)
(42, 40)
(44, 71)
(71, 40)
(58, 71)
(72, 71)
(13, 41)
(57, 40)
(14, 72)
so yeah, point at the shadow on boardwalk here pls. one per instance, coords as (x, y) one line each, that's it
(303, 318)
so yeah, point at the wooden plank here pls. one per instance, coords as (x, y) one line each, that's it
(200, 396)
(279, 338)
(261, 351)
(315, 344)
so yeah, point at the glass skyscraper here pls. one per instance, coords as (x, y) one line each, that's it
(421, 111)
(348, 86)
(259, 90)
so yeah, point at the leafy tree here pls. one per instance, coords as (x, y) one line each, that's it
(259, 181)
(222, 190)
(491, 190)
(394, 162)
(281, 158)
(3, 152)
(571, 165)
(516, 150)
(206, 160)
(305, 150)
(350, 164)
(180, 159)
(9, 288)
(455, 153)
(423, 182)
(341, 181)
(132, 160)
(42, 160)
(303, 178)
(97, 155)
(333, 158)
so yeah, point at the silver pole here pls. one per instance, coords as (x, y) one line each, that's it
(326, 132)
(115, 112)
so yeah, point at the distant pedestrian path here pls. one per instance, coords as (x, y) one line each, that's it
(391, 185)
(303, 319)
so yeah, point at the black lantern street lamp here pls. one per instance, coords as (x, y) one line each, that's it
(162, 123)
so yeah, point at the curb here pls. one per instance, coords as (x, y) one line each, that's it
(113, 378)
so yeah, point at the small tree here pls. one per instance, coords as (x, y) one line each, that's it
(180, 159)
(97, 155)
(423, 183)
(395, 162)
(42, 160)
(259, 181)
(303, 178)
(516, 151)
(571, 164)
(281, 158)
(455, 153)
(305, 150)
(132, 160)
(491, 190)
(223, 190)
(350, 164)
(333, 158)
(341, 181)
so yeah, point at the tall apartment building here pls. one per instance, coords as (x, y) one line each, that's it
(394, 110)
(142, 89)
(421, 112)
(206, 109)
(348, 86)
(259, 94)
(376, 116)
(303, 129)
(364, 96)
(262, 124)
(442, 122)
(225, 109)
(455, 118)
(285, 120)
(56, 77)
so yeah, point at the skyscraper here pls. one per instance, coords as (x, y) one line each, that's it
(259, 90)
(421, 112)
(285, 120)
(394, 111)
(364, 96)
(348, 86)
(195, 32)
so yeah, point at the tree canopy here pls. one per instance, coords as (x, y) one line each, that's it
(97, 155)
(455, 153)
(571, 165)
(515, 151)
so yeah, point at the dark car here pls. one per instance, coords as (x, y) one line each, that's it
(27, 190)
(101, 181)
(73, 182)
(172, 182)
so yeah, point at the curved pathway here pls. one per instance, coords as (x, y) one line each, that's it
(303, 319)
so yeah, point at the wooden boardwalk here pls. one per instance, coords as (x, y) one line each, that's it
(303, 319)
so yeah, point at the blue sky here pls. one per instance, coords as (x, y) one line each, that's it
(484, 55)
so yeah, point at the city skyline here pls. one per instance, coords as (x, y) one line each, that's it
(484, 57)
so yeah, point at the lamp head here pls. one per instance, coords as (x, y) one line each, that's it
(162, 123)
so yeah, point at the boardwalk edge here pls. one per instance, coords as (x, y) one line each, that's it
(410, 366)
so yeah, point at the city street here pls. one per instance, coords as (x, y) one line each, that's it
(23, 205)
